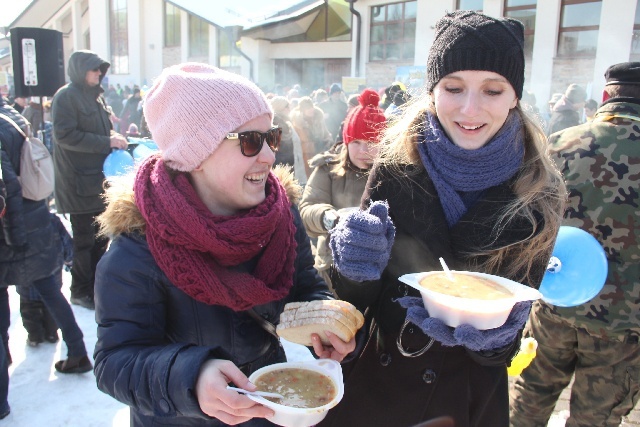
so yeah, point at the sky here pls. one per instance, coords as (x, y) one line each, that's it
(11, 9)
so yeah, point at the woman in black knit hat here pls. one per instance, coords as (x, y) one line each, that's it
(462, 175)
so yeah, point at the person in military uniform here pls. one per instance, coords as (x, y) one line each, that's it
(596, 342)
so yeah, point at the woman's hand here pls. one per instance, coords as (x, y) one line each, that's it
(338, 349)
(361, 242)
(228, 406)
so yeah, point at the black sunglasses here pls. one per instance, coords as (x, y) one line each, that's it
(251, 141)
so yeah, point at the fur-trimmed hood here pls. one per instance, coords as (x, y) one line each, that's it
(122, 215)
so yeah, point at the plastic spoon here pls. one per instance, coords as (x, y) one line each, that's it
(447, 272)
(256, 393)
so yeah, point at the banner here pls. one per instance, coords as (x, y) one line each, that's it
(413, 77)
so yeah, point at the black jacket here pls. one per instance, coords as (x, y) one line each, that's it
(81, 134)
(469, 386)
(29, 247)
(153, 338)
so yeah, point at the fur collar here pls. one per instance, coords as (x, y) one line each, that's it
(122, 215)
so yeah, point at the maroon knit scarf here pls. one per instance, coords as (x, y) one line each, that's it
(195, 248)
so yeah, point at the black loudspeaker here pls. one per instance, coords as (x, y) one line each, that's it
(38, 61)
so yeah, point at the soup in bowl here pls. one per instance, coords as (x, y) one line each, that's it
(309, 388)
(481, 300)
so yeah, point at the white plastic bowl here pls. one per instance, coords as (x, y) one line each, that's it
(302, 417)
(481, 314)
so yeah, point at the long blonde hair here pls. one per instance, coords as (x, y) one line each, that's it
(539, 188)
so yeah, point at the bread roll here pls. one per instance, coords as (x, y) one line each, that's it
(301, 319)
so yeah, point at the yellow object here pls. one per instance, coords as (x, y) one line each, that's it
(528, 347)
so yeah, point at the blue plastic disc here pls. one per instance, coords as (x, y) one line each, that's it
(577, 270)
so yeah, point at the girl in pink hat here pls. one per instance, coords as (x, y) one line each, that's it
(207, 248)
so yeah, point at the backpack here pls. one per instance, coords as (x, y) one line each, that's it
(36, 167)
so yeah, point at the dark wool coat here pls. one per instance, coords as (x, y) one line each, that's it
(383, 387)
(29, 245)
(153, 338)
(81, 135)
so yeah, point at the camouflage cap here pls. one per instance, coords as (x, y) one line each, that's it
(625, 73)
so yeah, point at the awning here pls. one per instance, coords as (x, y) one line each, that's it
(245, 13)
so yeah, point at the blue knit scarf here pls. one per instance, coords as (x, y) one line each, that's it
(460, 175)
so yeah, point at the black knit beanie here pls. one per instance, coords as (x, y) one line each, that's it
(467, 40)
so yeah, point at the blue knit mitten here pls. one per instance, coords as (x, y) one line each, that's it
(361, 242)
(466, 335)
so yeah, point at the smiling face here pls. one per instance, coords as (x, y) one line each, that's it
(227, 181)
(362, 153)
(472, 106)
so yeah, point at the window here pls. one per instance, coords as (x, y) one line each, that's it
(198, 36)
(579, 25)
(229, 56)
(525, 12)
(635, 41)
(475, 5)
(393, 32)
(119, 36)
(171, 25)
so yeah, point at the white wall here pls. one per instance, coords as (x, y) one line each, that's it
(136, 47)
(311, 50)
(152, 40)
(76, 19)
(544, 51)
(99, 27)
(494, 8)
(614, 39)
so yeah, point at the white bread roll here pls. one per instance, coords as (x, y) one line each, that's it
(301, 319)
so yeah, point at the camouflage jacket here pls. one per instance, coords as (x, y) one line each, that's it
(600, 161)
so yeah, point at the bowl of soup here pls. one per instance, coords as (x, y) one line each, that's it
(309, 390)
(481, 300)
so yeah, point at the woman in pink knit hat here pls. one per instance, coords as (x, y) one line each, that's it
(207, 248)
(338, 179)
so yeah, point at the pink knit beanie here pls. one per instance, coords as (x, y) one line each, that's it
(191, 107)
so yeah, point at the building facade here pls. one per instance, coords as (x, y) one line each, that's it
(317, 42)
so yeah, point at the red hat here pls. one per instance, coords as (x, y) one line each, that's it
(366, 121)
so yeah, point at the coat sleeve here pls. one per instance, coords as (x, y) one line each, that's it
(308, 285)
(15, 233)
(316, 200)
(65, 115)
(133, 361)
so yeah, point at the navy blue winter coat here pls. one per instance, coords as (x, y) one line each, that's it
(29, 247)
(153, 338)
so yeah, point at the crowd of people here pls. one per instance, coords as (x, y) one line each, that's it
(256, 199)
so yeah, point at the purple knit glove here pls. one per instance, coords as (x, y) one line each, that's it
(361, 242)
(466, 335)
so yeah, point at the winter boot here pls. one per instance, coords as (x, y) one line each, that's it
(74, 365)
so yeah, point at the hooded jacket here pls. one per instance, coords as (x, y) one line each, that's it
(81, 135)
(153, 338)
